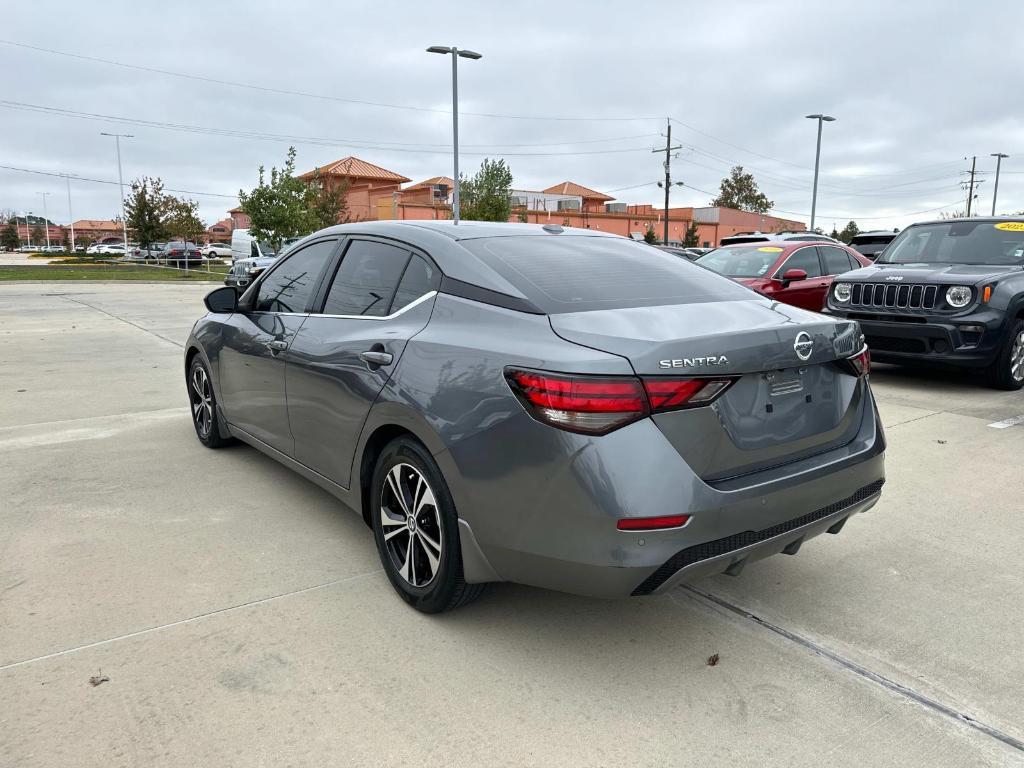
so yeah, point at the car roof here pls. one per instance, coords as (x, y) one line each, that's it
(982, 219)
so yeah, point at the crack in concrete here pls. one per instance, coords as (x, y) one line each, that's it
(179, 345)
(864, 672)
(189, 620)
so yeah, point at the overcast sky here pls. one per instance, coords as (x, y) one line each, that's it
(916, 86)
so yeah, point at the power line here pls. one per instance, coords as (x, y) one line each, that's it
(307, 94)
(869, 218)
(105, 181)
(308, 140)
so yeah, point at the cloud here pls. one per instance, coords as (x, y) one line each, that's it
(917, 86)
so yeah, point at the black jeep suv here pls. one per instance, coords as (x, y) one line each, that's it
(944, 292)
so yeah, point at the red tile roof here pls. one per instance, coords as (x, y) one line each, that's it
(97, 224)
(572, 188)
(354, 168)
(447, 180)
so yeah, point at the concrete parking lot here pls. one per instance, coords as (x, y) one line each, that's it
(242, 618)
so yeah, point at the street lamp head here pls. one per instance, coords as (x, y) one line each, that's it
(439, 49)
(826, 118)
(470, 55)
(1000, 155)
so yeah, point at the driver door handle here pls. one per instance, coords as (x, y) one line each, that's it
(277, 345)
(376, 357)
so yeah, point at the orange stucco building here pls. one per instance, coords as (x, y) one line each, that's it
(377, 193)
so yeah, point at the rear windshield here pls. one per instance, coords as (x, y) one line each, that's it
(741, 261)
(959, 242)
(566, 273)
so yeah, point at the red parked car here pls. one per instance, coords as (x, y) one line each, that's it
(793, 272)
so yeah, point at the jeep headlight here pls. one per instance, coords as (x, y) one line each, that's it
(958, 296)
(841, 292)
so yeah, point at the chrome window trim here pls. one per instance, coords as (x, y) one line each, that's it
(393, 315)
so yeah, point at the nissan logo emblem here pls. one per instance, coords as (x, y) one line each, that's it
(804, 345)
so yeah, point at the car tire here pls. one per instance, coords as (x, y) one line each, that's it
(1007, 370)
(422, 560)
(203, 405)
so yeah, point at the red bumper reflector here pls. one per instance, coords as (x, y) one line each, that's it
(651, 523)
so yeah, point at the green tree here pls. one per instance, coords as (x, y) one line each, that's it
(278, 207)
(849, 231)
(182, 219)
(692, 237)
(650, 236)
(326, 204)
(38, 235)
(835, 233)
(487, 196)
(9, 237)
(147, 209)
(739, 190)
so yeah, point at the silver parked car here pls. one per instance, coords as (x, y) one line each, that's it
(548, 406)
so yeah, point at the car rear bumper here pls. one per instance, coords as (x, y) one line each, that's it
(560, 531)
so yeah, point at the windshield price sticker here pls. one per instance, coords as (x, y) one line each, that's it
(773, 249)
(1010, 226)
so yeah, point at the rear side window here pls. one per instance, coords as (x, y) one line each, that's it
(836, 260)
(366, 280)
(420, 278)
(290, 286)
(805, 259)
(567, 273)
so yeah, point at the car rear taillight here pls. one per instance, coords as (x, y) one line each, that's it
(666, 394)
(593, 405)
(596, 405)
(860, 364)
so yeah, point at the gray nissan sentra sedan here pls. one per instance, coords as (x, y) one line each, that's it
(561, 408)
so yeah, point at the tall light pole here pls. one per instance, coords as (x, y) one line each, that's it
(71, 216)
(120, 181)
(455, 54)
(817, 162)
(46, 219)
(995, 192)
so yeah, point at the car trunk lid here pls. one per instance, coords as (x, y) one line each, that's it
(780, 408)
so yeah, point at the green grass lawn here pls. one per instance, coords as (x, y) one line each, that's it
(109, 272)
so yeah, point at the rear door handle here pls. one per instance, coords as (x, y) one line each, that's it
(375, 357)
(277, 345)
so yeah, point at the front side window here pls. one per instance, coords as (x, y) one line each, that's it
(805, 259)
(836, 260)
(366, 279)
(290, 286)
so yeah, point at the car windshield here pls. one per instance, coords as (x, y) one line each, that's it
(959, 242)
(741, 261)
(266, 248)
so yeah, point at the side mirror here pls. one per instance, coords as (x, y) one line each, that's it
(790, 275)
(222, 301)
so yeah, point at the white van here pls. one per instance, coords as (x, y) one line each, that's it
(245, 246)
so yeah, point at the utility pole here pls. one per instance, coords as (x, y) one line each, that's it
(669, 149)
(995, 192)
(970, 186)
